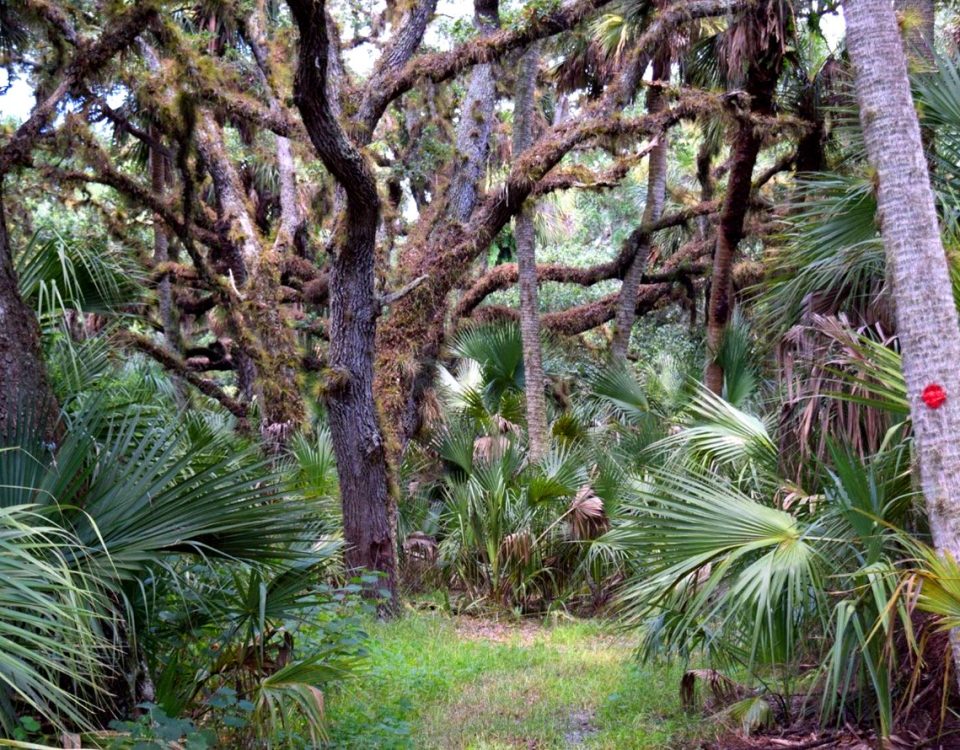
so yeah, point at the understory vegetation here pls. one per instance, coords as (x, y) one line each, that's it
(584, 374)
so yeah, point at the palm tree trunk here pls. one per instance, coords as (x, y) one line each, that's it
(927, 322)
(656, 191)
(763, 64)
(523, 121)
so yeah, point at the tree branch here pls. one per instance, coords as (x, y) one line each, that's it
(505, 275)
(175, 364)
(89, 58)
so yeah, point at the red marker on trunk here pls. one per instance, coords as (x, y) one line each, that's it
(934, 395)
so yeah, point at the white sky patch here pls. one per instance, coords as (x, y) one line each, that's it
(17, 100)
(834, 28)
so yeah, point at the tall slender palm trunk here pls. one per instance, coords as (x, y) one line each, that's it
(760, 64)
(523, 122)
(626, 313)
(927, 322)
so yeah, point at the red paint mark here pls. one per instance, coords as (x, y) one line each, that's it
(934, 396)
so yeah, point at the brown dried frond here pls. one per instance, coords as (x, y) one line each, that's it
(489, 448)
(421, 546)
(724, 689)
(587, 516)
(517, 546)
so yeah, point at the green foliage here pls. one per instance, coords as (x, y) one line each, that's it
(155, 730)
(127, 512)
(499, 352)
(832, 258)
(57, 273)
(761, 575)
(53, 621)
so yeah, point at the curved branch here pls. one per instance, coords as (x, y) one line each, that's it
(505, 275)
(404, 43)
(175, 364)
(588, 316)
(90, 57)
(442, 66)
(339, 155)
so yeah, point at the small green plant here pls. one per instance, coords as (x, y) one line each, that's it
(154, 730)
(27, 729)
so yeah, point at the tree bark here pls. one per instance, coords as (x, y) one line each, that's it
(656, 193)
(290, 222)
(271, 370)
(927, 323)
(763, 64)
(476, 122)
(536, 400)
(366, 490)
(23, 374)
(159, 172)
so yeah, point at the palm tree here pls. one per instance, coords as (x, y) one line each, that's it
(527, 264)
(656, 193)
(926, 313)
(753, 50)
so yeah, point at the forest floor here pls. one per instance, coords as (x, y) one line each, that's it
(445, 682)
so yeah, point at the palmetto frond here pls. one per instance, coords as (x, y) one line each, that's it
(832, 258)
(938, 95)
(498, 350)
(58, 273)
(52, 622)
(715, 433)
(109, 506)
(719, 567)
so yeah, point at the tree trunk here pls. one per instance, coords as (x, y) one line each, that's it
(746, 147)
(656, 192)
(536, 401)
(927, 323)
(476, 122)
(23, 374)
(159, 178)
(255, 269)
(763, 63)
(366, 491)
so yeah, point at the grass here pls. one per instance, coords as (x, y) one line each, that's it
(440, 682)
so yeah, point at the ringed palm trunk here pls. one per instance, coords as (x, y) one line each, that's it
(536, 402)
(927, 322)
(626, 313)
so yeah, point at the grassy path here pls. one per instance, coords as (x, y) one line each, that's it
(445, 683)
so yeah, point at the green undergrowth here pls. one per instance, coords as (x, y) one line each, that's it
(436, 681)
